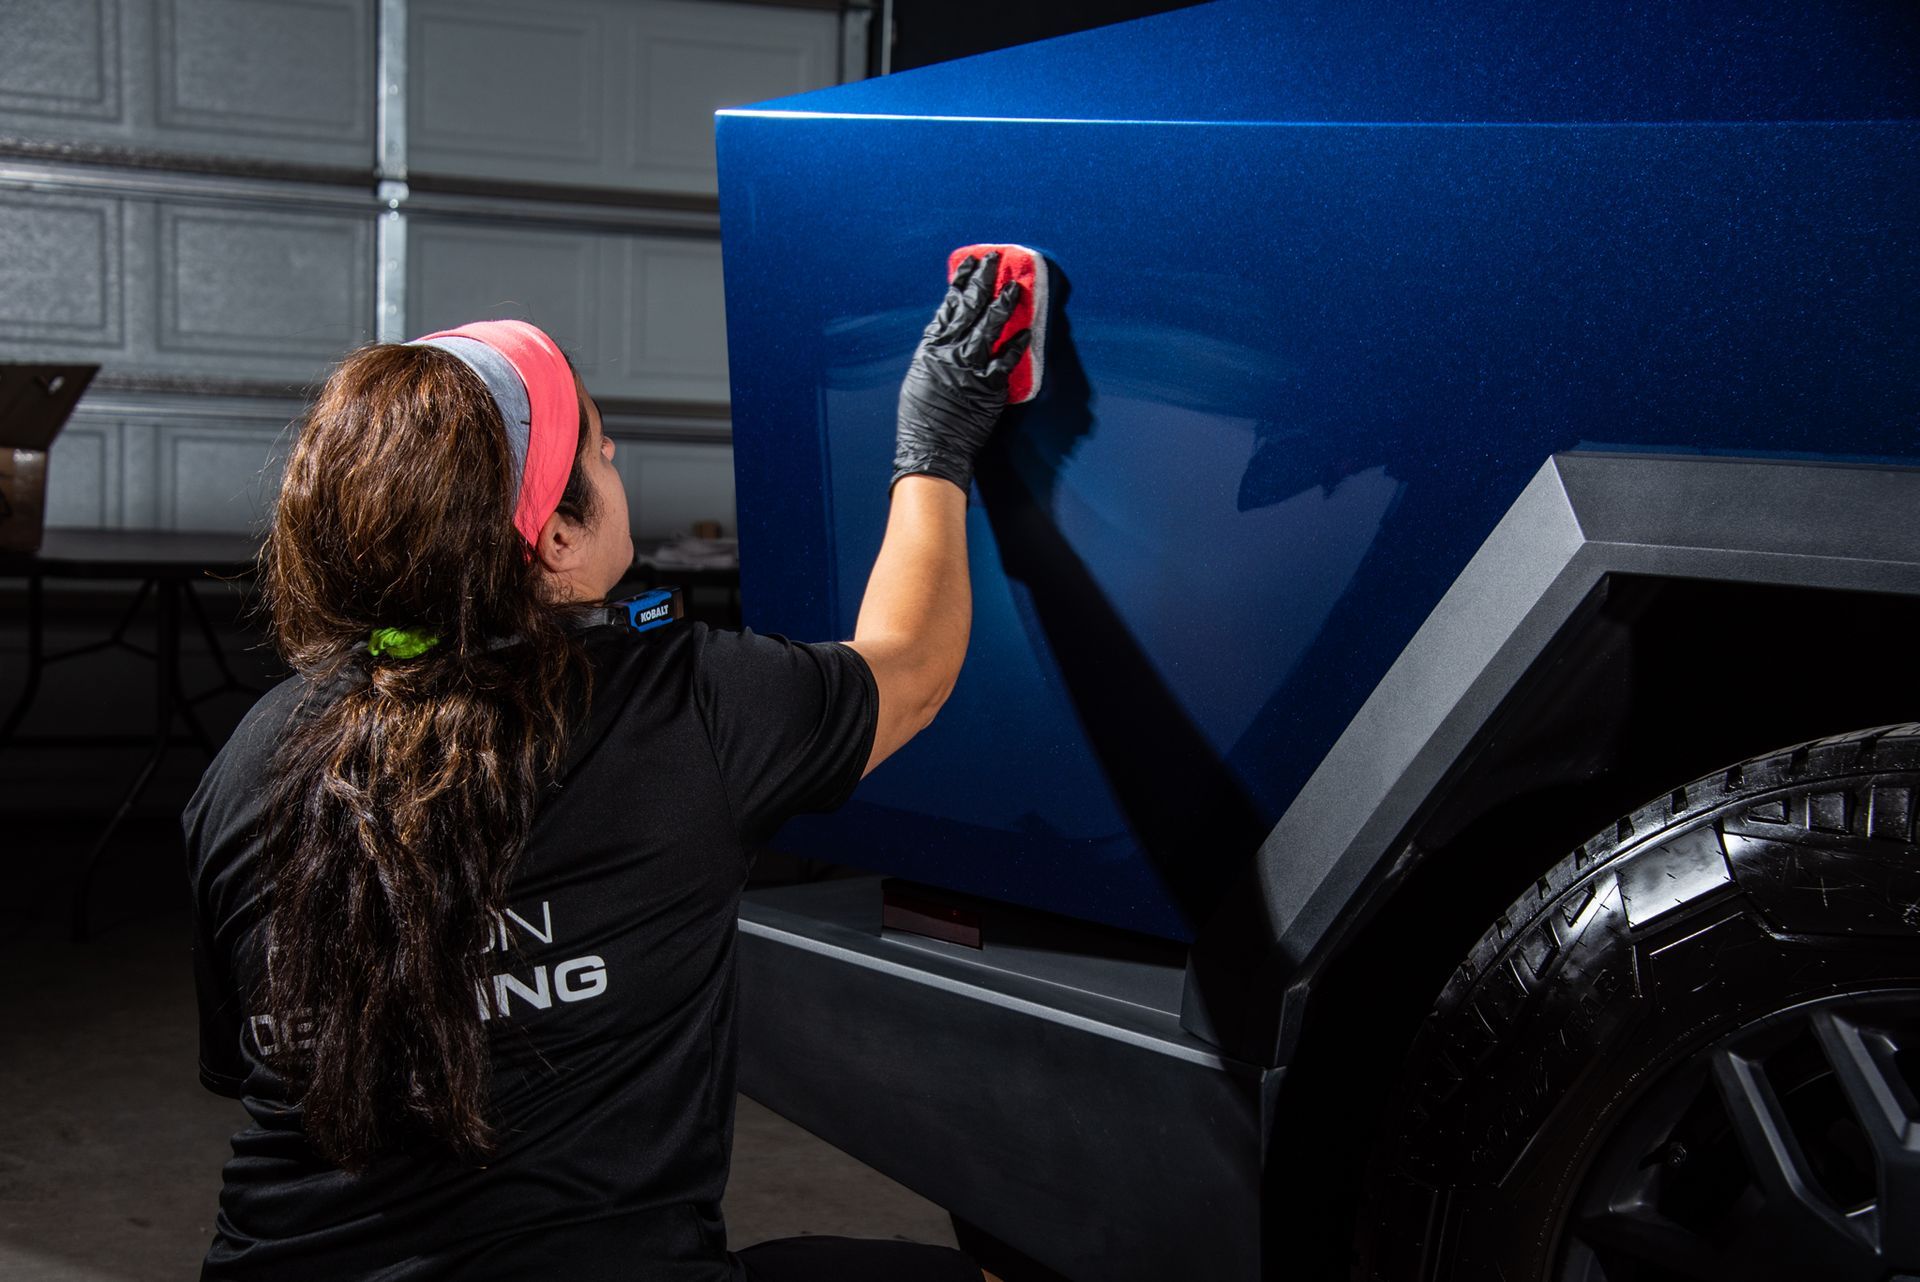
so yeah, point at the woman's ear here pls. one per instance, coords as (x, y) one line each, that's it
(561, 546)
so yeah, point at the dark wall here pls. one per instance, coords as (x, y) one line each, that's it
(927, 31)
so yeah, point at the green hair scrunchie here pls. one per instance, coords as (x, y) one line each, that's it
(401, 643)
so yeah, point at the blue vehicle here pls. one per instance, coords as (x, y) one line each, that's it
(1429, 796)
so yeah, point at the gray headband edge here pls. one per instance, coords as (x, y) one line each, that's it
(503, 382)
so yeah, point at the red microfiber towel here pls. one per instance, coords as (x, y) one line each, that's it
(1027, 266)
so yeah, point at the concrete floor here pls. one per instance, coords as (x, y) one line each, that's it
(110, 1151)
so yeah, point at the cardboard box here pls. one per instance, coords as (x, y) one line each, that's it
(35, 401)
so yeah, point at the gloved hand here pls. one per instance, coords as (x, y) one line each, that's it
(956, 386)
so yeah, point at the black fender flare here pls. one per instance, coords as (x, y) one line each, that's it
(1582, 518)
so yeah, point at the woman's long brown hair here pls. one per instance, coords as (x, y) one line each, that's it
(404, 788)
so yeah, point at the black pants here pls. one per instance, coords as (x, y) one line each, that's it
(847, 1259)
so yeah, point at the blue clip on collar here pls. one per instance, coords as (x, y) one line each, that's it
(647, 611)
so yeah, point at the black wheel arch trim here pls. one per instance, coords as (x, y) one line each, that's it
(1582, 518)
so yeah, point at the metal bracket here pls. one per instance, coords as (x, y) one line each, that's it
(390, 233)
(390, 283)
(390, 116)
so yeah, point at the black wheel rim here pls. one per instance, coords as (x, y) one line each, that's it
(1788, 1149)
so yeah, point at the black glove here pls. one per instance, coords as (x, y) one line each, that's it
(957, 384)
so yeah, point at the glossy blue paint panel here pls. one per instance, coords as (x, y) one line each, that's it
(1297, 374)
(1433, 61)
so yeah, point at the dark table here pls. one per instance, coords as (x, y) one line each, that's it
(166, 564)
(725, 580)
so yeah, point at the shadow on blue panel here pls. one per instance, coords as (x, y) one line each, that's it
(1181, 801)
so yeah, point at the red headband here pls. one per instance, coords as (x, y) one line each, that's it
(553, 436)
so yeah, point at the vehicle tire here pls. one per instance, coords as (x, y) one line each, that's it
(1690, 1050)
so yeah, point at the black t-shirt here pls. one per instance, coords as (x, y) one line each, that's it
(611, 1010)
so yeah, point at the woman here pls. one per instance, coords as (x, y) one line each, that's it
(465, 884)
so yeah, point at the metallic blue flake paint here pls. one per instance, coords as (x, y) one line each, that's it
(1331, 281)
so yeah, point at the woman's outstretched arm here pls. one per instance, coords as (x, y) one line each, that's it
(917, 610)
(918, 606)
